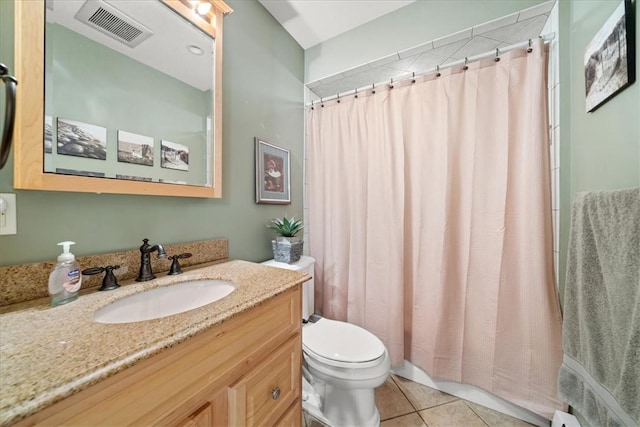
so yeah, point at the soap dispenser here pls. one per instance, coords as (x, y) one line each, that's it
(65, 278)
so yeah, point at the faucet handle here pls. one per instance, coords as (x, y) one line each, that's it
(175, 265)
(109, 281)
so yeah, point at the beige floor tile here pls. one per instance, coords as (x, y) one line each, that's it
(390, 400)
(421, 396)
(495, 418)
(453, 414)
(409, 420)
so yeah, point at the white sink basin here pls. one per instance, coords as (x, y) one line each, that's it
(164, 301)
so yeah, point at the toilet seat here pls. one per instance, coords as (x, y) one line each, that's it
(338, 364)
(341, 344)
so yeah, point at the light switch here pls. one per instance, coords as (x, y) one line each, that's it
(8, 218)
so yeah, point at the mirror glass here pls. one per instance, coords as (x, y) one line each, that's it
(129, 92)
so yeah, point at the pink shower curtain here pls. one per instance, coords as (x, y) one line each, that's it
(430, 220)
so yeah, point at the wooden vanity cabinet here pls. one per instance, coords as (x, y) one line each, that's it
(265, 393)
(243, 372)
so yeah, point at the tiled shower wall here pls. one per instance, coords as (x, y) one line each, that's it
(551, 26)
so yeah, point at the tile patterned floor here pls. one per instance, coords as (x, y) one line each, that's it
(404, 403)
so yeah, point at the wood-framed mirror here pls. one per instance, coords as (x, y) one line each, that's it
(71, 141)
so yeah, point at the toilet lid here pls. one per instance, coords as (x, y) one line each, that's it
(341, 341)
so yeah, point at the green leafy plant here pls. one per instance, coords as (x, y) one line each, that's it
(286, 227)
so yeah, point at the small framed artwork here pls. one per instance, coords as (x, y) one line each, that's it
(81, 139)
(172, 181)
(134, 148)
(609, 61)
(134, 178)
(174, 155)
(48, 134)
(272, 174)
(80, 173)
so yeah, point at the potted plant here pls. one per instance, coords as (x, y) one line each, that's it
(287, 247)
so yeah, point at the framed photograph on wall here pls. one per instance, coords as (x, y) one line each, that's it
(134, 178)
(48, 134)
(174, 155)
(80, 173)
(81, 139)
(134, 148)
(609, 61)
(272, 174)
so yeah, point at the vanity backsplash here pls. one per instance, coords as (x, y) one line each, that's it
(25, 282)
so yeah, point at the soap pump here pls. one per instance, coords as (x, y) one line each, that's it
(65, 278)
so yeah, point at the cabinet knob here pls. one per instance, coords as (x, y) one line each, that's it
(275, 393)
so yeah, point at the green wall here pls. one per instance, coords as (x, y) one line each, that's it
(262, 96)
(407, 27)
(599, 150)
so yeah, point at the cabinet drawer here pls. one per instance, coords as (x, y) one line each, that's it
(263, 395)
(293, 417)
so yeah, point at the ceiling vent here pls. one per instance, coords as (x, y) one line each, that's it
(112, 22)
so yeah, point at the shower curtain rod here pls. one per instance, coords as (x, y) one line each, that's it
(546, 38)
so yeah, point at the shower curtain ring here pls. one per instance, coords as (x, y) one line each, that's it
(413, 77)
(497, 55)
(338, 98)
(438, 71)
(312, 105)
(356, 93)
(373, 88)
(529, 49)
(391, 84)
(321, 103)
(466, 61)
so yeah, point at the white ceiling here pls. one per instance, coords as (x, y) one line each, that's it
(166, 50)
(313, 21)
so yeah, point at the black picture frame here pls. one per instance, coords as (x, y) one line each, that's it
(273, 177)
(609, 59)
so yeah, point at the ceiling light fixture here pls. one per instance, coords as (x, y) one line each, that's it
(195, 50)
(203, 8)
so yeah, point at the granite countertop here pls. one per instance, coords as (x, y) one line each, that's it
(49, 353)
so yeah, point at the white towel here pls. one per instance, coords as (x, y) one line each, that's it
(600, 374)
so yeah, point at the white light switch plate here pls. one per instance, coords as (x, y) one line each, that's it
(9, 222)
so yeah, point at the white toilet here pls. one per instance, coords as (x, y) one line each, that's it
(342, 364)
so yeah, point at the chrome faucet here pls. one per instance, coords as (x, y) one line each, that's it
(145, 260)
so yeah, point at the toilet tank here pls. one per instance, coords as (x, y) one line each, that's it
(305, 264)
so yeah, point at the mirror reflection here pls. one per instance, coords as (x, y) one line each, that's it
(128, 92)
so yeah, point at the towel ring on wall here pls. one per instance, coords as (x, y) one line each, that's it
(9, 114)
